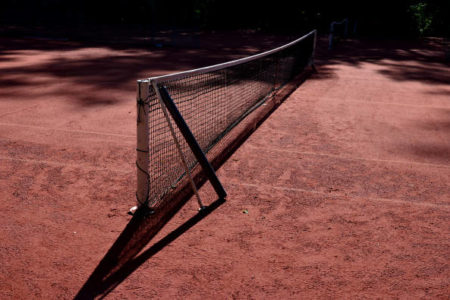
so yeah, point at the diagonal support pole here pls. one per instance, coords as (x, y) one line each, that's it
(177, 143)
(192, 142)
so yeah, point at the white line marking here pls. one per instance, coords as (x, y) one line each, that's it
(59, 164)
(373, 102)
(350, 158)
(396, 201)
(68, 130)
(19, 110)
(399, 104)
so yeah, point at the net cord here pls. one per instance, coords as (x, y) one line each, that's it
(221, 66)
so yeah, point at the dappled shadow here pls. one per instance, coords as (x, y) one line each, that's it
(435, 146)
(443, 92)
(430, 75)
(443, 126)
(71, 72)
(90, 71)
(402, 60)
(324, 72)
(421, 61)
(440, 123)
(437, 153)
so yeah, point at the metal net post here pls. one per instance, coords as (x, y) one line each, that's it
(142, 150)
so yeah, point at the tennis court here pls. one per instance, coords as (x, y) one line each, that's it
(342, 191)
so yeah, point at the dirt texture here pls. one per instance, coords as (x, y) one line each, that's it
(343, 192)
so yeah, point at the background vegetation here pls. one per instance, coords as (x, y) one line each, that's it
(392, 18)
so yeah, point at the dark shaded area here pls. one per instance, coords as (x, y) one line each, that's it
(73, 18)
(119, 70)
(115, 268)
(439, 153)
(120, 66)
(431, 75)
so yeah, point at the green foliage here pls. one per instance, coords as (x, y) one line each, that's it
(421, 18)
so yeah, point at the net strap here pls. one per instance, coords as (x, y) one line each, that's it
(177, 143)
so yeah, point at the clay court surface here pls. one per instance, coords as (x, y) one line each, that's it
(343, 192)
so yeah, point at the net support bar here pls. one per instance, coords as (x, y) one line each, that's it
(192, 142)
(177, 143)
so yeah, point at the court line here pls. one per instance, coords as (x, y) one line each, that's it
(19, 110)
(388, 200)
(68, 130)
(398, 104)
(59, 164)
(350, 158)
(318, 98)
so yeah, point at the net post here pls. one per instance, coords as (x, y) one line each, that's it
(314, 43)
(142, 150)
(346, 28)
(330, 37)
(313, 54)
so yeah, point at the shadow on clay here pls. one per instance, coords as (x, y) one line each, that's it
(123, 259)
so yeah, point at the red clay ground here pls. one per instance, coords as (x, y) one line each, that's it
(346, 184)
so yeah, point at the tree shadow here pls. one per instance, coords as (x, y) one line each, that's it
(427, 74)
(121, 260)
(422, 61)
(443, 92)
(403, 60)
(324, 72)
(437, 153)
(94, 72)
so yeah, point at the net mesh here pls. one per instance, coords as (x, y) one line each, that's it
(212, 103)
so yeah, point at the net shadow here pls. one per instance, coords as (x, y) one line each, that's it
(115, 267)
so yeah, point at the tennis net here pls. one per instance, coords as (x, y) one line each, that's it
(212, 100)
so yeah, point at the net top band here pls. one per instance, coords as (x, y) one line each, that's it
(175, 76)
